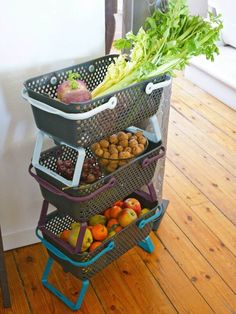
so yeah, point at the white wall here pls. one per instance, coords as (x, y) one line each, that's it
(198, 7)
(36, 37)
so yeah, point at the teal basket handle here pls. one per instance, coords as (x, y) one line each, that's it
(59, 254)
(142, 223)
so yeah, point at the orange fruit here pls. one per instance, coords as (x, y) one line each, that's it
(118, 229)
(107, 213)
(112, 222)
(115, 211)
(94, 245)
(99, 232)
(65, 235)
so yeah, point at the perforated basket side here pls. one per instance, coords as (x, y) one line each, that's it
(128, 179)
(43, 87)
(124, 241)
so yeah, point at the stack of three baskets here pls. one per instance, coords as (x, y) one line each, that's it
(74, 129)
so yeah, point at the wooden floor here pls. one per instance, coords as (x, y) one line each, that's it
(193, 269)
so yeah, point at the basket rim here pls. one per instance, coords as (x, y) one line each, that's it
(87, 254)
(152, 146)
(70, 108)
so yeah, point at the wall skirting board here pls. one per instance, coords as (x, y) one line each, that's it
(19, 238)
(213, 86)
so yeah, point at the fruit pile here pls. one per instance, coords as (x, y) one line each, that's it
(104, 226)
(90, 172)
(118, 149)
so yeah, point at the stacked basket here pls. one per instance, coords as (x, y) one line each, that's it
(74, 129)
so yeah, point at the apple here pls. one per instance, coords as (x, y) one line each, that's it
(127, 216)
(87, 241)
(119, 203)
(115, 211)
(133, 204)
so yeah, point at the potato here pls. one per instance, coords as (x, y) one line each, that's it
(122, 163)
(133, 143)
(142, 140)
(136, 151)
(104, 143)
(114, 156)
(113, 139)
(124, 143)
(133, 137)
(104, 162)
(114, 164)
(99, 152)
(128, 154)
(141, 146)
(113, 150)
(124, 155)
(139, 134)
(120, 148)
(111, 168)
(128, 149)
(106, 155)
(122, 136)
(129, 135)
(95, 146)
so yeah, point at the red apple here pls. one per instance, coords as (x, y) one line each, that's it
(119, 203)
(133, 204)
(115, 211)
(126, 217)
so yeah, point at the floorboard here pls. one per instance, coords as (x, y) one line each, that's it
(193, 267)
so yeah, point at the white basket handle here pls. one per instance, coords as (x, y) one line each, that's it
(112, 102)
(154, 136)
(151, 86)
(78, 167)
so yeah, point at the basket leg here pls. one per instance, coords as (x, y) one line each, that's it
(147, 245)
(73, 306)
(156, 223)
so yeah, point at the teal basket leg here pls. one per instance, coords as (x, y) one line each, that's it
(147, 245)
(73, 306)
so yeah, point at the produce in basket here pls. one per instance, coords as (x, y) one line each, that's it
(87, 240)
(90, 171)
(73, 90)
(101, 227)
(119, 149)
(165, 43)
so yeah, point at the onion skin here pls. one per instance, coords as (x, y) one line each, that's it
(67, 95)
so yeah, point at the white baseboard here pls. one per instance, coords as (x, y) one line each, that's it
(19, 239)
(218, 89)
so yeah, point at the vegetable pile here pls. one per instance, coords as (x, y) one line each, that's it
(166, 43)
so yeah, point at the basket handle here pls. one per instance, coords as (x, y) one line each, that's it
(78, 166)
(151, 86)
(58, 192)
(110, 246)
(42, 223)
(110, 104)
(147, 161)
(142, 223)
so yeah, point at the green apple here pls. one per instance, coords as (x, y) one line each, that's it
(144, 211)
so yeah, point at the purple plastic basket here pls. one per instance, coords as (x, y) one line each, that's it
(98, 196)
(51, 225)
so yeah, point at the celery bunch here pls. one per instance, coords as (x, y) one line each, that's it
(166, 43)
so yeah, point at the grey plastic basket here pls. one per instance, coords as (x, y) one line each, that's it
(124, 240)
(90, 200)
(134, 104)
